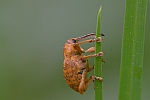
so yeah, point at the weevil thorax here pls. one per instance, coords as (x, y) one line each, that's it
(72, 48)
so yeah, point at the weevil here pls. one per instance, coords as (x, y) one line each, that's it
(76, 65)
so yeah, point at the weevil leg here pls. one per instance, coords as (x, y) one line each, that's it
(78, 48)
(88, 68)
(92, 78)
(92, 49)
(82, 87)
(85, 83)
(93, 55)
(103, 60)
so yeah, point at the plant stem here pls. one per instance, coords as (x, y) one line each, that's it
(98, 62)
(132, 50)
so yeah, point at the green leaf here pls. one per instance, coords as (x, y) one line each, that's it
(132, 50)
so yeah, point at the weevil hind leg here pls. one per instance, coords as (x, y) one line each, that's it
(82, 86)
(85, 83)
(97, 78)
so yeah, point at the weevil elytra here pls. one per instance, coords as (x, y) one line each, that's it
(76, 65)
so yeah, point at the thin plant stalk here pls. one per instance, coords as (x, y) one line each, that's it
(98, 62)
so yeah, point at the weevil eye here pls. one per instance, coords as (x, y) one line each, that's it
(74, 41)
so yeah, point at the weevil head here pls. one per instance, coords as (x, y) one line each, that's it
(72, 48)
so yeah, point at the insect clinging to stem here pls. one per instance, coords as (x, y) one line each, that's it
(76, 65)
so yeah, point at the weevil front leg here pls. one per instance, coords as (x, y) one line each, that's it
(85, 83)
(92, 49)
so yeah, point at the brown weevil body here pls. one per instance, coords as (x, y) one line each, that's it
(76, 65)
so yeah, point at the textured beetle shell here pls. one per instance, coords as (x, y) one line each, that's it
(73, 68)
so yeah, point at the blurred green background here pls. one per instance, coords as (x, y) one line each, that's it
(32, 36)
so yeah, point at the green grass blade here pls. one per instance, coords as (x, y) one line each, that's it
(132, 50)
(98, 62)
